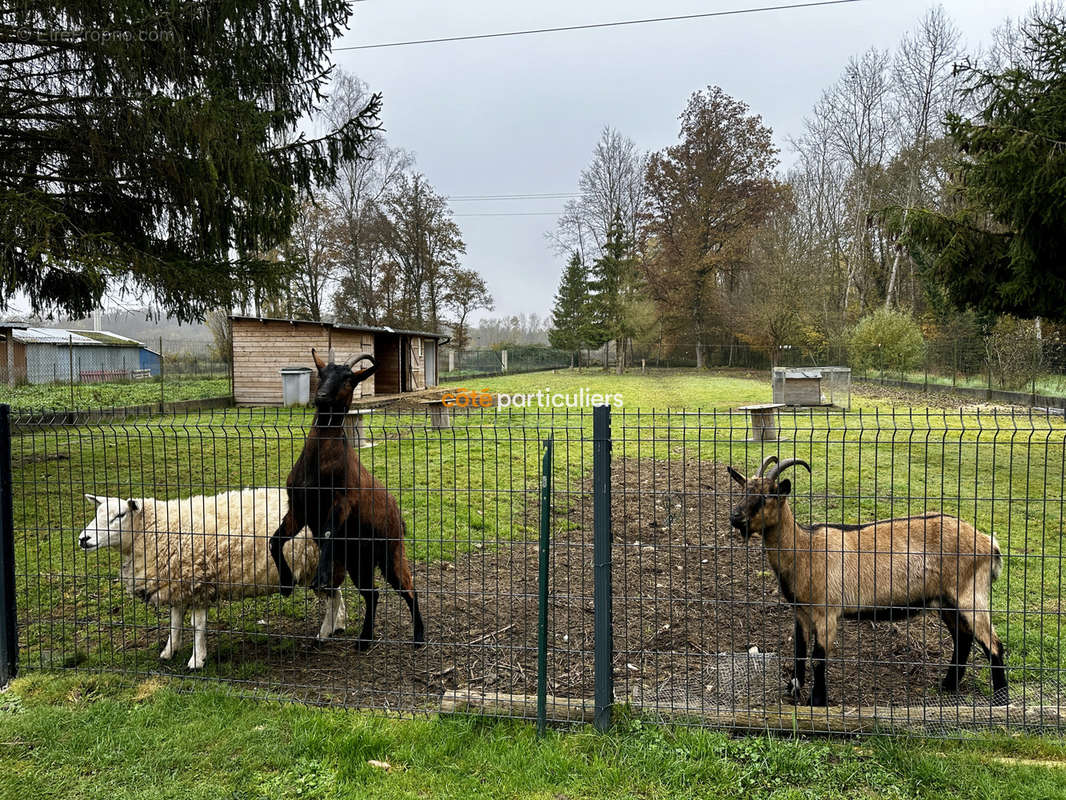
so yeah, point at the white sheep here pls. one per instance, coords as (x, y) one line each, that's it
(192, 552)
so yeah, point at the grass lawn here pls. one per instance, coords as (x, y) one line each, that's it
(106, 395)
(475, 484)
(76, 737)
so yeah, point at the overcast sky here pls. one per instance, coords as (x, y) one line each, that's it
(520, 115)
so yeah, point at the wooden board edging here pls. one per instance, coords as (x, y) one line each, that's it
(800, 719)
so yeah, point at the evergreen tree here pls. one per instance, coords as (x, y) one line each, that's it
(570, 314)
(153, 145)
(611, 287)
(1000, 249)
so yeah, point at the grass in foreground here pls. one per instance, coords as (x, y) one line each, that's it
(89, 736)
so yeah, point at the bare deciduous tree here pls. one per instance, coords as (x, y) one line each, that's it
(358, 195)
(467, 292)
(923, 81)
(858, 116)
(312, 257)
(425, 241)
(613, 181)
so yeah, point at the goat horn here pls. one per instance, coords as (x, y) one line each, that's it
(788, 462)
(771, 459)
(352, 362)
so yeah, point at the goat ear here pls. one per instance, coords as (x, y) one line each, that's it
(132, 504)
(92, 498)
(737, 476)
(318, 361)
(784, 488)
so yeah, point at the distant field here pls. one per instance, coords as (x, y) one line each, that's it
(126, 393)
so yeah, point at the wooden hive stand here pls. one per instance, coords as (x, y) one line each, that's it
(763, 422)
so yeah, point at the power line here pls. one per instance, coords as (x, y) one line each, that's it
(462, 198)
(509, 214)
(590, 26)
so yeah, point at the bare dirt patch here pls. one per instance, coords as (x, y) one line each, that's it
(698, 618)
(913, 398)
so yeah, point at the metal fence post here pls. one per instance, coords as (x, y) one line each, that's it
(542, 604)
(8, 620)
(601, 564)
(162, 379)
(70, 354)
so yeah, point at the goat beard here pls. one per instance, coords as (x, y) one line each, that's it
(745, 531)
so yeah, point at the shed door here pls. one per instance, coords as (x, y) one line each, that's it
(417, 364)
(431, 362)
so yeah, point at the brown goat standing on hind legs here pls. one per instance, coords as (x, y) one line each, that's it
(353, 518)
(881, 570)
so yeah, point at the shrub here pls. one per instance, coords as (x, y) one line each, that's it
(886, 340)
(1013, 352)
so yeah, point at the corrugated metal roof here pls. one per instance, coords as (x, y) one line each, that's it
(107, 337)
(62, 336)
(343, 326)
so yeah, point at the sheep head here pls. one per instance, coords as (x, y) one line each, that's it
(113, 524)
(764, 497)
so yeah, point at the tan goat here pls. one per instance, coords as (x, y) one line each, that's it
(880, 570)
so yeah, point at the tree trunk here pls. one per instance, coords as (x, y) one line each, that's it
(619, 356)
(892, 276)
(699, 354)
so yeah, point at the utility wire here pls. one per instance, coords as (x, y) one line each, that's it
(462, 198)
(590, 26)
(509, 214)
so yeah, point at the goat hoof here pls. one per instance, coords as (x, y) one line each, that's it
(949, 686)
(362, 645)
(323, 637)
(286, 591)
(418, 644)
(1001, 697)
(819, 702)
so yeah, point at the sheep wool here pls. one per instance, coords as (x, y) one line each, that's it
(196, 550)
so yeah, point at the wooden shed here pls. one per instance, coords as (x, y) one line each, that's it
(797, 387)
(12, 354)
(407, 360)
(30, 354)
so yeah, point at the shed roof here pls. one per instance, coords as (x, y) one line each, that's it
(341, 326)
(62, 336)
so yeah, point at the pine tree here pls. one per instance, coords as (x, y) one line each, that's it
(154, 145)
(611, 288)
(570, 314)
(1000, 249)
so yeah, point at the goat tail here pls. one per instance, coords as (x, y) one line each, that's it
(997, 559)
